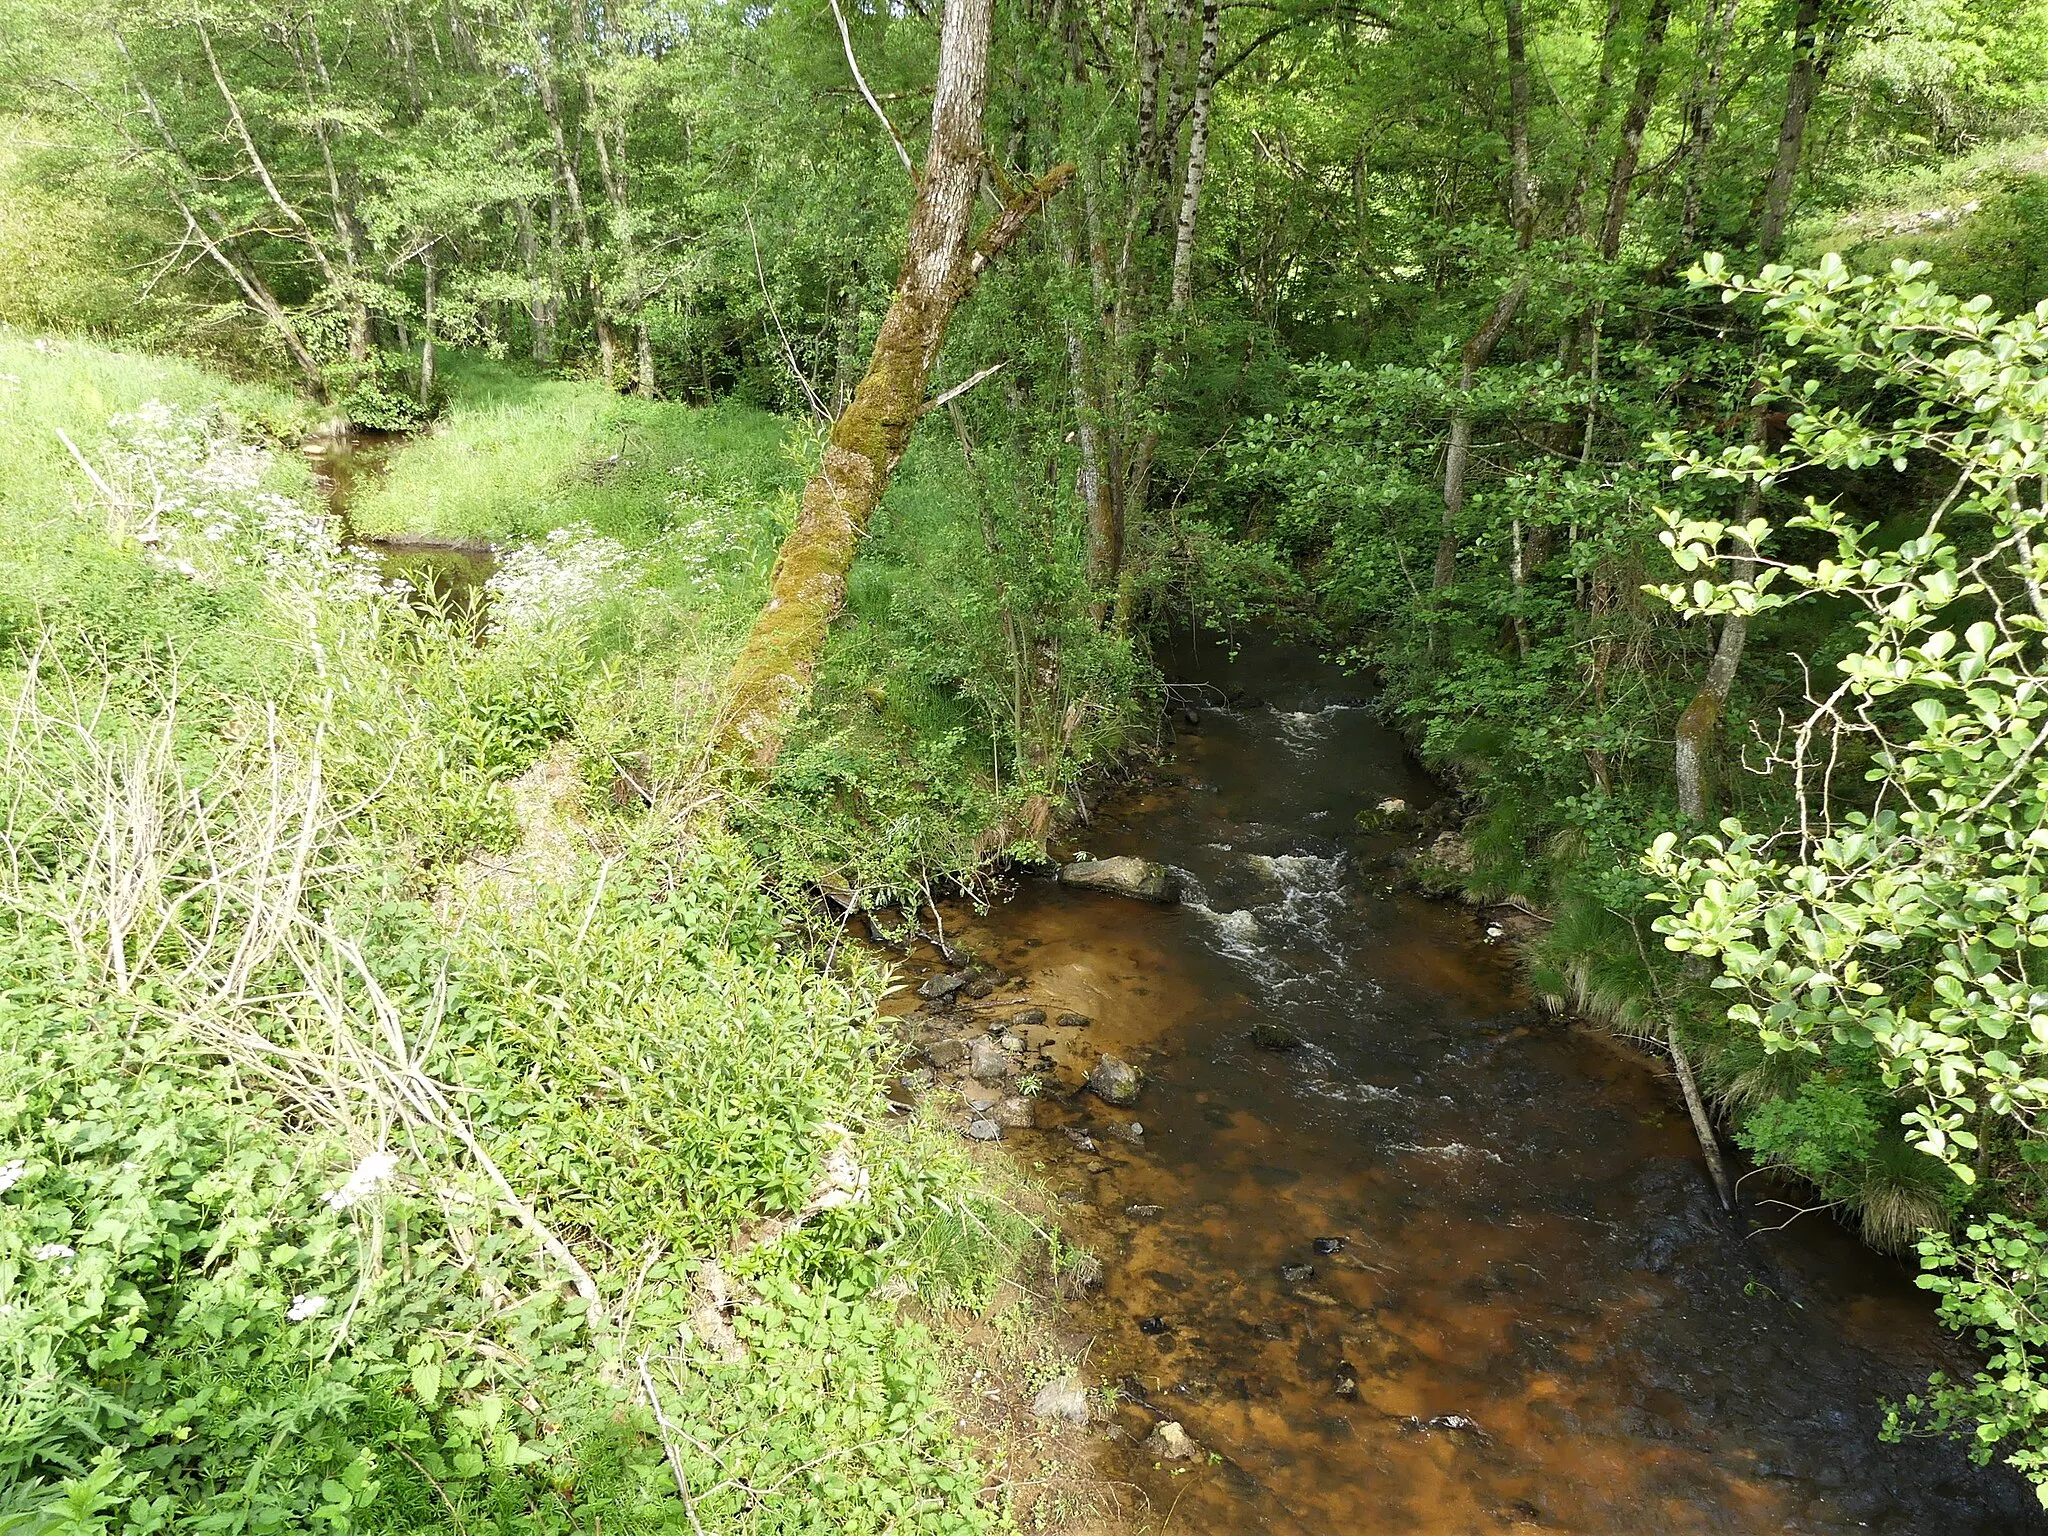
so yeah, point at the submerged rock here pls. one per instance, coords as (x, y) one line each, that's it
(1328, 1245)
(1078, 1137)
(1131, 1131)
(944, 986)
(987, 1061)
(1115, 1081)
(1125, 875)
(1061, 1402)
(1170, 1442)
(1443, 867)
(1268, 1036)
(1294, 1274)
(1346, 1380)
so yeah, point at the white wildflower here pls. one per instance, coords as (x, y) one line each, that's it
(369, 1173)
(303, 1307)
(561, 577)
(11, 1174)
(51, 1251)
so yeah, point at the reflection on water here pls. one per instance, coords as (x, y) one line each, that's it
(445, 578)
(1532, 1315)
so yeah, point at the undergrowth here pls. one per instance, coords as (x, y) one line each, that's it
(400, 1128)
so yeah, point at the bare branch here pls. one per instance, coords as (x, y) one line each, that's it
(860, 80)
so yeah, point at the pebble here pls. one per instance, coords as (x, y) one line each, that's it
(984, 1130)
(1329, 1245)
(1011, 1044)
(1073, 1021)
(1346, 1383)
(1294, 1274)
(1153, 1325)
(1030, 1018)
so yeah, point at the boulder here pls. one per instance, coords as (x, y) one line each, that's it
(987, 1061)
(1016, 1112)
(1443, 867)
(1115, 1081)
(1125, 875)
(1268, 1036)
(1061, 1402)
(945, 1054)
(1169, 1442)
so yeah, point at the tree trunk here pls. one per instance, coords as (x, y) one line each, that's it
(1198, 160)
(771, 677)
(1702, 717)
(1702, 1127)
(427, 296)
(1522, 214)
(1633, 122)
(540, 304)
(1800, 90)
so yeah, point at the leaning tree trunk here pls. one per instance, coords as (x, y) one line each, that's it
(1702, 717)
(771, 677)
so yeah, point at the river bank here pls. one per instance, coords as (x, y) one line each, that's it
(1531, 1312)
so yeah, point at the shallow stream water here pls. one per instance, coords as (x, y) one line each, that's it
(1548, 1322)
(446, 576)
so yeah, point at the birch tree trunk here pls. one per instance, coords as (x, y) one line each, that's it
(771, 677)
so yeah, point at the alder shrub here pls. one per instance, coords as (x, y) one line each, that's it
(1901, 910)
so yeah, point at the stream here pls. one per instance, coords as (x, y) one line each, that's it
(1537, 1317)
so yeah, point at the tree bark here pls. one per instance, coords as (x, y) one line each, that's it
(1522, 215)
(1800, 89)
(1634, 121)
(771, 677)
(427, 297)
(1702, 1127)
(1702, 717)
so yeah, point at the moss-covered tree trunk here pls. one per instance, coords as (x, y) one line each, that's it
(771, 678)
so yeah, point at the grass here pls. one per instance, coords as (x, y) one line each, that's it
(400, 1130)
(519, 454)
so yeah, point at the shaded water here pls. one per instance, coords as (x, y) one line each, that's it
(1548, 1323)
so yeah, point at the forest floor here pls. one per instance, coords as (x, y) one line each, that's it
(536, 1135)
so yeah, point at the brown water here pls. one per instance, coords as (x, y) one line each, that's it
(1549, 1324)
(447, 577)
